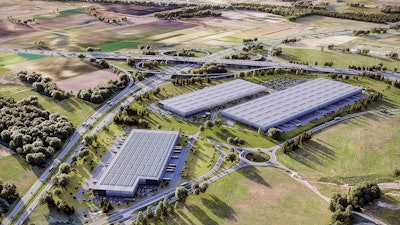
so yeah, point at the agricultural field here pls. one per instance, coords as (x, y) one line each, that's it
(360, 149)
(227, 201)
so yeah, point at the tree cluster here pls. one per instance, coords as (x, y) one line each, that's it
(253, 47)
(248, 40)
(356, 5)
(358, 196)
(277, 51)
(235, 141)
(184, 52)
(132, 117)
(8, 193)
(393, 55)
(394, 9)
(43, 85)
(274, 133)
(151, 64)
(209, 68)
(292, 145)
(290, 40)
(48, 199)
(197, 188)
(30, 131)
(93, 49)
(106, 206)
(378, 67)
(100, 93)
(240, 55)
(181, 194)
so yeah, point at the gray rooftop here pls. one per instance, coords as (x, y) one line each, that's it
(143, 155)
(280, 107)
(211, 97)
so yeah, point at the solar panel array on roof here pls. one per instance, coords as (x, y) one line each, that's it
(210, 97)
(143, 155)
(283, 106)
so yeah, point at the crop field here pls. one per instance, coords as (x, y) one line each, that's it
(17, 58)
(57, 68)
(339, 59)
(86, 81)
(227, 201)
(361, 149)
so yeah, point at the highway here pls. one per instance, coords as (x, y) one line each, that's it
(197, 60)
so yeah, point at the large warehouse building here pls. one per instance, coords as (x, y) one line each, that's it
(284, 106)
(141, 160)
(210, 97)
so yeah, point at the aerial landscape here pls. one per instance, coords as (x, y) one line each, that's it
(200, 112)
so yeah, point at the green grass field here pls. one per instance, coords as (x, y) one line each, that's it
(252, 139)
(253, 196)
(18, 171)
(388, 214)
(339, 59)
(17, 58)
(361, 149)
(114, 46)
(232, 39)
(201, 160)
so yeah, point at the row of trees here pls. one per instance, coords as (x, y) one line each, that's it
(373, 68)
(209, 68)
(290, 40)
(184, 52)
(43, 85)
(190, 81)
(100, 93)
(20, 21)
(30, 131)
(92, 11)
(248, 40)
(292, 145)
(358, 196)
(189, 12)
(374, 30)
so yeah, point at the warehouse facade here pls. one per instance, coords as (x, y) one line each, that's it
(210, 97)
(140, 160)
(287, 105)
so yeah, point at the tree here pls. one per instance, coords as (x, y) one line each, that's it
(181, 193)
(338, 202)
(260, 131)
(9, 190)
(65, 168)
(231, 156)
(159, 210)
(61, 179)
(274, 133)
(149, 211)
(203, 186)
(166, 205)
(47, 198)
(140, 218)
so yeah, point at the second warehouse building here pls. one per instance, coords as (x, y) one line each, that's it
(210, 97)
(287, 105)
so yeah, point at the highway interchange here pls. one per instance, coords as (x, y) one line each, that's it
(105, 114)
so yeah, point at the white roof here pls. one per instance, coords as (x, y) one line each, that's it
(210, 97)
(143, 155)
(270, 110)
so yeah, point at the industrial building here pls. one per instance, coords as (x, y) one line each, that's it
(141, 160)
(287, 105)
(210, 97)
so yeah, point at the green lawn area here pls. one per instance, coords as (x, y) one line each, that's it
(117, 45)
(339, 59)
(18, 171)
(252, 139)
(360, 149)
(201, 159)
(171, 123)
(261, 195)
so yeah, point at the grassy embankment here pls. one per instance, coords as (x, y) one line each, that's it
(273, 196)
